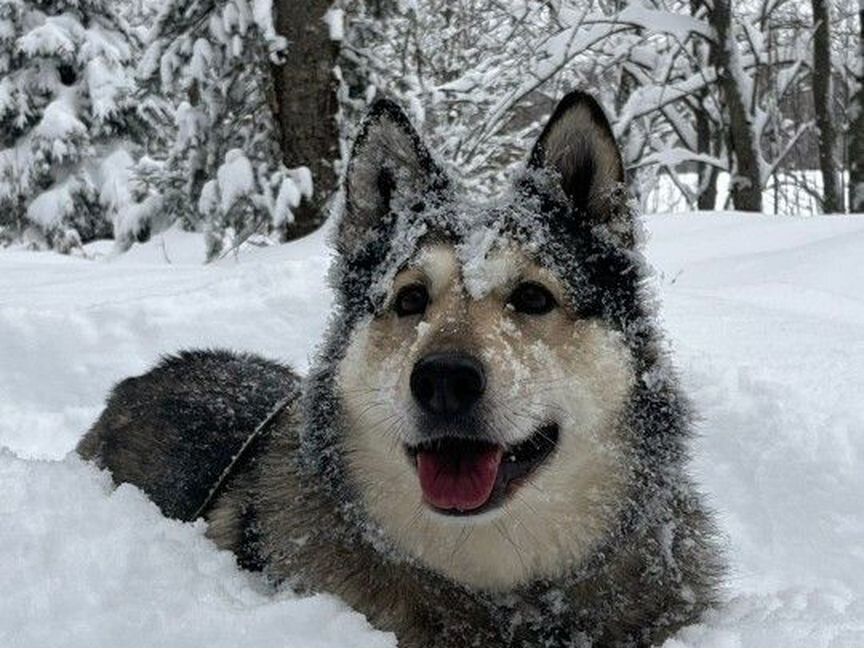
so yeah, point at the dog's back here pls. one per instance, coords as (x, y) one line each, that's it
(172, 431)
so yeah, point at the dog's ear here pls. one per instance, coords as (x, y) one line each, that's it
(390, 169)
(577, 146)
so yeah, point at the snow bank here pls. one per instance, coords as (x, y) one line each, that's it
(765, 317)
(765, 320)
(71, 328)
(84, 565)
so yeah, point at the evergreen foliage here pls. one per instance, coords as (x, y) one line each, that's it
(223, 171)
(67, 116)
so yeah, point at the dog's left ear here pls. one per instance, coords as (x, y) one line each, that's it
(577, 146)
(390, 170)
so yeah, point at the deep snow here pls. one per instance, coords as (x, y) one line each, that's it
(766, 322)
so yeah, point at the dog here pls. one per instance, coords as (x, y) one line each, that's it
(491, 447)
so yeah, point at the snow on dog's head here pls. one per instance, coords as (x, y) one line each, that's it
(485, 352)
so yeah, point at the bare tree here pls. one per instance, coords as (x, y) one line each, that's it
(306, 103)
(706, 130)
(746, 186)
(823, 95)
(691, 85)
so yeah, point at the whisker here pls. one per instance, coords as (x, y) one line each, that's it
(503, 533)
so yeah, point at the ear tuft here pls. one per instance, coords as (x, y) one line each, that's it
(389, 169)
(578, 146)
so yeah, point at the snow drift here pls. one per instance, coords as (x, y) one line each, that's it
(764, 316)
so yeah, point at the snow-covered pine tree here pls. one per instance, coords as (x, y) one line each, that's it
(224, 173)
(65, 112)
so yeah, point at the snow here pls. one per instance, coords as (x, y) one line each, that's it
(295, 186)
(59, 121)
(764, 316)
(66, 88)
(678, 25)
(480, 274)
(58, 34)
(115, 178)
(50, 206)
(288, 197)
(113, 556)
(236, 178)
(302, 177)
(262, 10)
(202, 59)
(335, 19)
(105, 87)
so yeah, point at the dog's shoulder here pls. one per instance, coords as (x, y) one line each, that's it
(173, 430)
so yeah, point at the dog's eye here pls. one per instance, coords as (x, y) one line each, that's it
(411, 300)
(533, 299)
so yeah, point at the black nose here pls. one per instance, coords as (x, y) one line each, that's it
(447, 384)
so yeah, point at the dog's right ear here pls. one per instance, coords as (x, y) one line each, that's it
(390, 169)
(577, 147)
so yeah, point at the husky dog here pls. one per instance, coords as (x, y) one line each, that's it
(491, 448)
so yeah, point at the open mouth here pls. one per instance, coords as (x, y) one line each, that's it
(467, 477)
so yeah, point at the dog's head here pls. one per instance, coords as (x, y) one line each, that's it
(485, 362)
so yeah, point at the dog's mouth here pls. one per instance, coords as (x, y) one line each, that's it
(467, 477)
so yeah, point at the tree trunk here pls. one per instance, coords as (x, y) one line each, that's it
(832, 201)
(307, 103)
(746, 184)
(707, 143)
(708, 173)
(856, 128)
(705, 134)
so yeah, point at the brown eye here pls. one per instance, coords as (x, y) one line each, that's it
(411, 300)
(532, 299)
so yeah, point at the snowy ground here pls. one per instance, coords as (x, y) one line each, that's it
(766, 319)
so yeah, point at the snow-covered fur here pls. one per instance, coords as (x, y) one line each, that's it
(172, 431)
(600, 541)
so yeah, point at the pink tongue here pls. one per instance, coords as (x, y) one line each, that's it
(458, 481)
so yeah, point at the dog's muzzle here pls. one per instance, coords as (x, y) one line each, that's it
(461, 468)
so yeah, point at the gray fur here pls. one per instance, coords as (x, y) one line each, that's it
(294, 511)
(173, 430)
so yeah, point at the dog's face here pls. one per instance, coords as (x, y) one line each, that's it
(479, 403)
